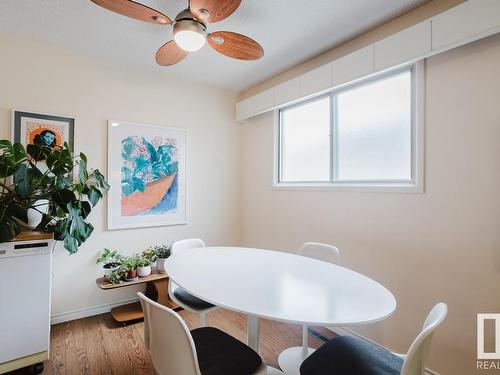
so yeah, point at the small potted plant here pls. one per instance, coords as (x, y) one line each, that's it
(162, 253)
(143, 266)
(117, 276)
(150, 253)
(129, 266)
(110, 260)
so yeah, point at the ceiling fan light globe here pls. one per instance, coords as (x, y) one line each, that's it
(189, 34)
(189, 40)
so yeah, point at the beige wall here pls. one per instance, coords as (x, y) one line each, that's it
(441, 245)
(39, 78)
(411, 18)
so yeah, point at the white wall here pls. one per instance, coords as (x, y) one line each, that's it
(38, 78)
(441, 245)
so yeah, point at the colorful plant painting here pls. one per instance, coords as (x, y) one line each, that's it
(147, 175)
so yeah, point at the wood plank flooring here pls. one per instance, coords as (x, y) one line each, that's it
(99, 346)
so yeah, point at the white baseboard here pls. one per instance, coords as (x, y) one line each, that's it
(342, 331)
(87, 311)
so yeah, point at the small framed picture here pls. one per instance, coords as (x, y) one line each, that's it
(44, 130)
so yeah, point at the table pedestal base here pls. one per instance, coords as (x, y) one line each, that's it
(273, 371)
(291, 359)
(253, 333)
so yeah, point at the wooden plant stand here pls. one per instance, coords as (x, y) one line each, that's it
(156, 289)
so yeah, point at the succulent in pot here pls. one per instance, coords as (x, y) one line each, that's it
(129, 266)
(117, 276)
(162, 253)
(150, 253)
(110, 260)
(143, 266)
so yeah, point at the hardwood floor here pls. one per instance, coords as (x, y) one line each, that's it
(97, 345)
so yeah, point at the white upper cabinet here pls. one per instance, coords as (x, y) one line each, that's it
(287, 92)
(353, 66)
(403, 47)
(464, 23)
(263, 101)
(316, 80)
(244, 109)
(457, 26)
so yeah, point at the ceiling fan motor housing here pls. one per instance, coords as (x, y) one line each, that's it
(190, 25)
(186, 21)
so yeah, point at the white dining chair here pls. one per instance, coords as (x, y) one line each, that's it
(348, 354)
(175, 350)
(414, 360)
(320, 251)
(180, 295)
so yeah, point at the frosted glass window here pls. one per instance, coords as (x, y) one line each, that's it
(373, 131)
(359, 136)
(305, 142)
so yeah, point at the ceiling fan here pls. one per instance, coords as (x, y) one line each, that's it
(190, 29)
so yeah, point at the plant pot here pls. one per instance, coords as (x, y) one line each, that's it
(109, 268)
(131, 275)
(160, 264)
(36, 216)
(144, 271)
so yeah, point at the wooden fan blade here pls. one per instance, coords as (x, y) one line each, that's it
(169, 54)
(135, 10)
(217, 9)
(235, 45)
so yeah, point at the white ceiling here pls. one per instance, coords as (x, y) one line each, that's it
(291, 31)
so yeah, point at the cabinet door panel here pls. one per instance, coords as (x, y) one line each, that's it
(353, 66)
(405, 46)
(316, 80)
(464, 22)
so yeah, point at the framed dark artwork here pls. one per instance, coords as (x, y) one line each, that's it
(44, 130)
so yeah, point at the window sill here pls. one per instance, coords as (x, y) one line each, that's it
(353, 187)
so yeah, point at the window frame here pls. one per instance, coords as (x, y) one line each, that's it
(414, 185)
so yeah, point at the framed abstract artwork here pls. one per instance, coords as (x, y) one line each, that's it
(147, 173)
(44, 130)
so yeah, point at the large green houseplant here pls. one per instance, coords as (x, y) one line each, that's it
(55, 176)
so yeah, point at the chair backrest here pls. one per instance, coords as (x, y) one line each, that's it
(168, 339)
(190, 243)
(320, 251)
(414, 363)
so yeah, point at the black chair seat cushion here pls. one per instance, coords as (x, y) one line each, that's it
(188, 299)
(221, 354)
(347, 355)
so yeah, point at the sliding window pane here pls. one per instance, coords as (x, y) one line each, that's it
(373, 131)
(305, 142)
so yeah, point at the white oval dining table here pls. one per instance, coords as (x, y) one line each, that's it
(280, 286)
